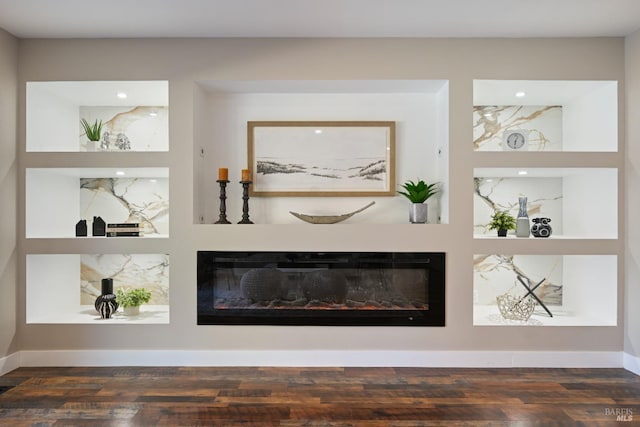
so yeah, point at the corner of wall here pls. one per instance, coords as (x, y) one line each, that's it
(632, 273)
(8, 194)
(9, 363)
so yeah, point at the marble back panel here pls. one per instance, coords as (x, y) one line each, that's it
(136, 128)
(117, 200)
(544, 124)
(544, 199)
(150, 271)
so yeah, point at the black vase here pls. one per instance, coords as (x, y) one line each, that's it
(541, 227)
(106, 303)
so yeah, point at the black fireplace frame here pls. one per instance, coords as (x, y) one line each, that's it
(434, 262)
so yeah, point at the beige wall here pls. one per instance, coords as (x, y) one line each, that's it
(185, 61)
(632, 297)
(8, 187)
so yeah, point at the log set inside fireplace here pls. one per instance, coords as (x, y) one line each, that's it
(321, 288)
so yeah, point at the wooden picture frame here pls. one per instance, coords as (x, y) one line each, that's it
(321, 158)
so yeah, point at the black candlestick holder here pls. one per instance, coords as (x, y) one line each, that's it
(245, 202)
(223, 204)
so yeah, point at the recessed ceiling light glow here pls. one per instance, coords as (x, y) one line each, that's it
(153, 180)
(120, 173)
(522, 172)
(317, 131)
(520, 94)
(121, 95)
(153, 114)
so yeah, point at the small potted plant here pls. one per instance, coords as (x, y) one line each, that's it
(131, 299)
(418, 193)
(93, 133)
(502, 221)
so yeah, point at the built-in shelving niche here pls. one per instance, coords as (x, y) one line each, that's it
(62, 288)
(135, 115)
(559, 115)
(578, 290)
(581, 202)
(420, 109)
(57, 198)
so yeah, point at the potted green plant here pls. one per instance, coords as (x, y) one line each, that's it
(502, 221)
(418, 193)
(131, 299)
(93, 133)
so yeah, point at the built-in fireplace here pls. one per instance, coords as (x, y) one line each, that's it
(321, 288)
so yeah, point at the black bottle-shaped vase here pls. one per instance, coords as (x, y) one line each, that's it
(106, 303)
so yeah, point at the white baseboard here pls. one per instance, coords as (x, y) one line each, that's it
(9, 363)
(463, 359)
(631, 363)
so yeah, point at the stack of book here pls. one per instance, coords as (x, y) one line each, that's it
(129, 229)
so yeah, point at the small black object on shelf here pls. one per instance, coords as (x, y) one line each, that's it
(245, 203)
(99, 227)
(106, 303)
(222, 219)
(541, 227)
(81, 228)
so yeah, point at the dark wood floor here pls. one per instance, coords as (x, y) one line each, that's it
(185, 396)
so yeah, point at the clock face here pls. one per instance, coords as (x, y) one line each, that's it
(516, 140)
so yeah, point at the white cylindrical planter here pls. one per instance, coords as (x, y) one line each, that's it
(132, 310)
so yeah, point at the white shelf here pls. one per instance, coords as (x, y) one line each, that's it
(579, 290)
(581, 202)
(57, 198)
(489, 315)
(511, 236)
(54, 110)
(61, 287)
(559, 115)
(87, 314)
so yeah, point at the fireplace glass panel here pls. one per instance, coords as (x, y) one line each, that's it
(321, 288)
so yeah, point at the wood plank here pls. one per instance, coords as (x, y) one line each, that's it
(262, 396)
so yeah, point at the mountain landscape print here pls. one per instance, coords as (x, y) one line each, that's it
(315, 158)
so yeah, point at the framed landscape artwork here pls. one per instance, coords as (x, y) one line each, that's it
(321, 158)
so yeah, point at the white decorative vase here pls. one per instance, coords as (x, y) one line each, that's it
(522, 221)
(418, 213)
(132, 310)
(91, 145)
(522, 227)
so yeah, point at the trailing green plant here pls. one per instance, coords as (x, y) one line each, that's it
(93, 131)
(132, 297)
(502, 220)
(419, 192)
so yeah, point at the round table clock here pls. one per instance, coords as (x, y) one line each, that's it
(515, 140)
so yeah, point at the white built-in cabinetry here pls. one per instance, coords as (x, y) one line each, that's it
(569, 173)
(127, 180)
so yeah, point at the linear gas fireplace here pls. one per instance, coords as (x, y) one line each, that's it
(321, 288)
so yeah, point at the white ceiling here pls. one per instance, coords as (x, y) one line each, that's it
(319, 18)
